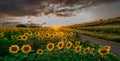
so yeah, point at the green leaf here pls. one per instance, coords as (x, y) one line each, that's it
(21, 57)
(113, 57)
(31, 57)
(65, 58)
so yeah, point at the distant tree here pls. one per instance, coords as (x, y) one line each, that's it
(33, 26)
(101, 20)
(21, 25)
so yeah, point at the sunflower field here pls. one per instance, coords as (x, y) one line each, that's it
(50, 44)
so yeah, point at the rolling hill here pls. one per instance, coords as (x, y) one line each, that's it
(108, 29)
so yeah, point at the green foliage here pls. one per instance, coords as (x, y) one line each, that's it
(33, 26)
(21, 25)
(108, 29)
(101, 22)
(56, 54)
(102, 33)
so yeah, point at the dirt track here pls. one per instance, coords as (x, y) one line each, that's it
(115, 47)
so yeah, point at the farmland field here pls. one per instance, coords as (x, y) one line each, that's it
(59, 30)
(107, 33)
(50, 44)
(104, 29)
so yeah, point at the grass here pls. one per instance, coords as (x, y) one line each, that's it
(40, 38)
(108, 29)
(102, 22)
(109, 37)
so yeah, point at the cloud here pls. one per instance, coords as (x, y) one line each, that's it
(5, 19)
(63, 8)
(10, 24)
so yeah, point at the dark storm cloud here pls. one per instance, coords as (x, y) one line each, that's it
(45, 7)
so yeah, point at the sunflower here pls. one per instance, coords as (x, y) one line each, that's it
(55, 33)
(37, 33)
(50, 46)
(25, 34)
(26, 48)
(60, 45)
(39, 51)
(24, 37)
(13, 37)
(77, 43)
(19, 38)
(1, 35)
(52, 36)
(107, 47)
(68, 45)
(29, 33)
(86, 50)
(61, 33)
(66, 34)
(92, 50)
(71, 33)
(78, 49)
(41, 37)
(103, 52)
(64, 39)
(47, 35)
(14, 49)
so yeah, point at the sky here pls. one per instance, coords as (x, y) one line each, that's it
(57, 12)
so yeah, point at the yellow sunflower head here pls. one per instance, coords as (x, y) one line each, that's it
(55, 33)
(19, 37)
(24, 37)
(37, 33)
(77, 43)
(26, 48)
(1, 35)
(52, 36)
(86, 50)
(68, 45)
(71, 34)
(41, 37)
(107, 47)
(103, 52)
(13, 37)
(39, 51)
(61, 33)
(47, 35)
(14, 49)
(92, 50)
(29, 33)
(25, 34)
(50, 46)
(64, 39)
(78, 49)
(66, 34)
(60, 45)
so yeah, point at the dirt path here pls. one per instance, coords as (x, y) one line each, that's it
(115, 47)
